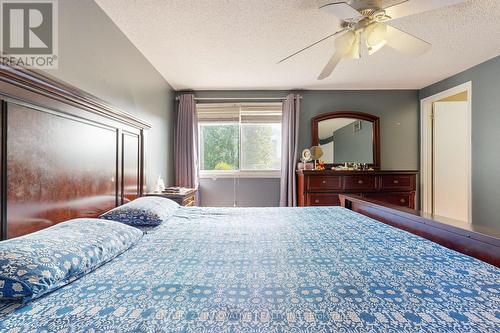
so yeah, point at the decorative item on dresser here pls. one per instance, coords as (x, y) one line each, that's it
(322, 188)
(183, 196)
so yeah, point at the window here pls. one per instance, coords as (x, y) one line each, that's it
(240, 139)
(219, 147)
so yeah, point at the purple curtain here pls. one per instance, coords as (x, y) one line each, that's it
(289, 143)
(186, 147)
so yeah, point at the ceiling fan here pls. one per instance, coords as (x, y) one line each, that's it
(366, 20)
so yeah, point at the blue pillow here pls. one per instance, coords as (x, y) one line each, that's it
(38, 263)
(144, 211)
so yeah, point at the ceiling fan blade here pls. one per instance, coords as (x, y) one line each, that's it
(413, 7)
(354, 51)
(345, 47)
(406, 43)
(311, 45)
(330, 66)
(384, 4)
(341, 10)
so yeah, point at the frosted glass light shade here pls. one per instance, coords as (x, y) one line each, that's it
(375, 35)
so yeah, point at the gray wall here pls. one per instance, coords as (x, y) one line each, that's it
(399, 125)
(94, 55)
(485, 137)
(399, 120)
(353, 146)
(264, 192)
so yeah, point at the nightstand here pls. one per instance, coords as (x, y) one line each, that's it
(185, 197)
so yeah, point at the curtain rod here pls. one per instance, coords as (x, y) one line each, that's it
(238, 98)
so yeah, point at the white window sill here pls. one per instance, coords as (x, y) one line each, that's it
(239, 174)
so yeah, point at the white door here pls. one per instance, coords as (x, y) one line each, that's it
(451, 160)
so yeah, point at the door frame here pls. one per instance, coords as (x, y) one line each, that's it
(426, 159)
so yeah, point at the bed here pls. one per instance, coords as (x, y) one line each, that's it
(317, 269)
(216, 270)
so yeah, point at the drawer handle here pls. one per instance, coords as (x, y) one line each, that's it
(316, 201)
(402, 200)
(396, 181)
(324, 181)
(360, 181)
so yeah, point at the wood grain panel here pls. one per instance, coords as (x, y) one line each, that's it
(360, 182)
(402, 182)
(62, 152)
(392, 186)
(131, 160)
(403, 199)
(58, 167)
(322, 199)
(325, 183)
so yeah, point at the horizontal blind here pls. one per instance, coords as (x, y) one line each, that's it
(249, 112)
(261, 113)
(218, 112)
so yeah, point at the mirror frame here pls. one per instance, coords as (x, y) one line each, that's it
(356, 115)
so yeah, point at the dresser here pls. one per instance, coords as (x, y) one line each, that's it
(322, 188)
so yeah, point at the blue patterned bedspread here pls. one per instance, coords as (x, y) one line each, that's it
(273, 270)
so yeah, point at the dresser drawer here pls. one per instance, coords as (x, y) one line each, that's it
(398, 199)
(361, 182)
(397, 182)
(322, 199)
(324, 183)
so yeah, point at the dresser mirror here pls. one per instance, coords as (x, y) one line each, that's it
(347, 137)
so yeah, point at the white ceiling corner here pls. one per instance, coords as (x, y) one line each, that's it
(235, 44)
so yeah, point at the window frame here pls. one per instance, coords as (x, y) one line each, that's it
(214, 174)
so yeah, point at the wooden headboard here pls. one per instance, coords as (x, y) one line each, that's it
(64, 153)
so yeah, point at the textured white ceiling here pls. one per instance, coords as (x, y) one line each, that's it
(235, 44)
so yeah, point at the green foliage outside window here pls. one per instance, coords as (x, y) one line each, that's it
(260, 146)
(219, 147)
(224, 166)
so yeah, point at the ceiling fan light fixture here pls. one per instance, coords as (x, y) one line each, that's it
(380, 16)
(375, 36)
(365, 19)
